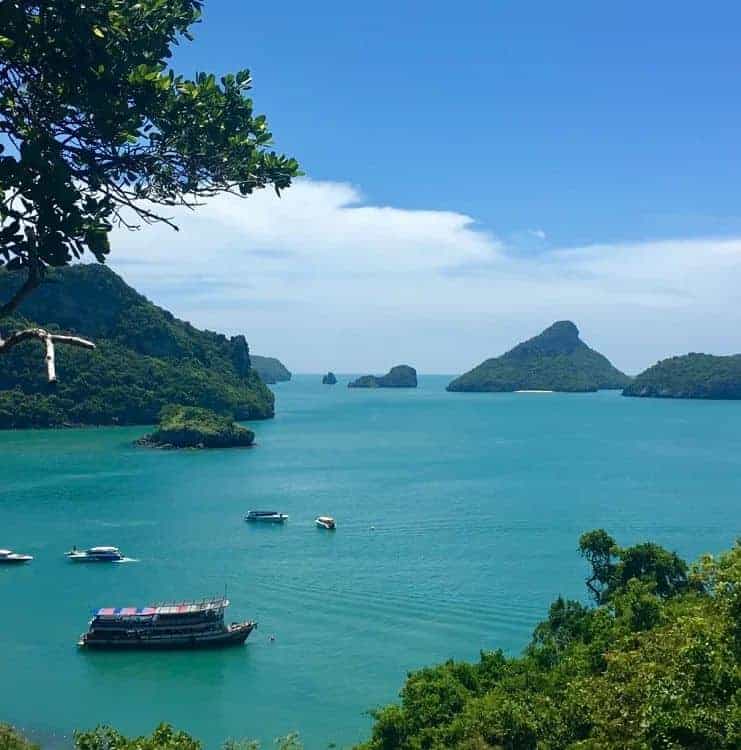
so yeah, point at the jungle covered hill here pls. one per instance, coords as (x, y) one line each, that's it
(554, 360)
(145, 358)
(690, 376)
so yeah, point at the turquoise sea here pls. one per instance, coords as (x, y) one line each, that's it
(458, 518)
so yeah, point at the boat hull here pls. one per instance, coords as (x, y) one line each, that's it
(235, 636)
(15, 560)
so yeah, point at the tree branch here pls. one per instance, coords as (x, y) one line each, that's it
(49, 340)
(32, 281)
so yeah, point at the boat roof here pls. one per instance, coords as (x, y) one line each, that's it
(326, 518)
(6, 551)
(165, 608)
(103, 549)
(264, 512)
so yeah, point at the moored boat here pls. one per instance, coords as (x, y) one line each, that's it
(8, 557)
(265, 516)
(175, 625)
(95, 554)
(325, 522)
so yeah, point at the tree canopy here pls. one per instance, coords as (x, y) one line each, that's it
(656, 665)
(96, 129)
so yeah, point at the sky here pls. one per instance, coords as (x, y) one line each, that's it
(474, 171)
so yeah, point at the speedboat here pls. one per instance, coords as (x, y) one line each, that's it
(325, 522)
(266, 516)
(95, 554)
(8, 557)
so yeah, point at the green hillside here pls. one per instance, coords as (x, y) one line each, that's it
(555, 360)
(690, 376)
(145, 358)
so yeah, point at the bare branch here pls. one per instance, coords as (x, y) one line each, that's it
(49, 340)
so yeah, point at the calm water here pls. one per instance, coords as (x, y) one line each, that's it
(458, 518)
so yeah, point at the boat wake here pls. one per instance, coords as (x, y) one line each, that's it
(126, 560)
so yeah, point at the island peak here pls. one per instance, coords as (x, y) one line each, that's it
(554, 360)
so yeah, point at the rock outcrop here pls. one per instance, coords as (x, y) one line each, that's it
(400, 376)
(555, 360)
(329, 379)
(193, 427)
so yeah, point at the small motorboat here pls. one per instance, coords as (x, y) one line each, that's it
(266, 516)
(95, 554)
(8, 557)
(325, 522)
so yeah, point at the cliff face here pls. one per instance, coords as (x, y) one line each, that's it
(270, 369)
(145, 358)
(401, 376)
(690, 376)
(555, 360)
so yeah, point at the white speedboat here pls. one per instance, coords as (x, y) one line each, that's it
(265, 516)
(8, 557)
(95, 554)
(325, 522)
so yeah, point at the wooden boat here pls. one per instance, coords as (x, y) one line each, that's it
(177, 625)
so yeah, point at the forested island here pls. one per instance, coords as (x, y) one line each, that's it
(270, 369)
(329, 379)
(145, 358)
(690, 376)
(400, 376)
(554, 360)
(195, 427)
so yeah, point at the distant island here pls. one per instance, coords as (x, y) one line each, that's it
(329, 379)
(401, 376)
(145, 358)
(554, 360)
(194, 427)
(690, 376)
(270, 369)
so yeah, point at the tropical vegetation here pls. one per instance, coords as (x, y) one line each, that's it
(690, 376)
(194, 427)
(97, 130)
(655, 664)
(554, 360)
(145, 358)
(270, 369)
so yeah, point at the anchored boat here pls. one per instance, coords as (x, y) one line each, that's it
(95, 554)
(325, 522)
(265, 516)
(176, 625)
(8, 557)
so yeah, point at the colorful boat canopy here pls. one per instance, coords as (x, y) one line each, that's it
(175, 608)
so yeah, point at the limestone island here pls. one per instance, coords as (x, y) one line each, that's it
(329, 379)
(195, 427)
(145, 358)
(690, 376)
(270, 369)
(554, 360)
(401, 376)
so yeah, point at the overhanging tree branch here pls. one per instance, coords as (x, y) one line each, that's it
(49, 340)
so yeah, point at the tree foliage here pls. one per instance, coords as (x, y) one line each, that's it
(656, 665)
(97, 129)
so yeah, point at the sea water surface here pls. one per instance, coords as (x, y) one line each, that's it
(458, 517)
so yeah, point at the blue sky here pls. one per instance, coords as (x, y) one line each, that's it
(551, 128)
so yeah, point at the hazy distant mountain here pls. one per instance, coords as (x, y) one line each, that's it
(554, 360)
(270, 369)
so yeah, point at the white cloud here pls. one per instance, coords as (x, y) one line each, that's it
(323, 280)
